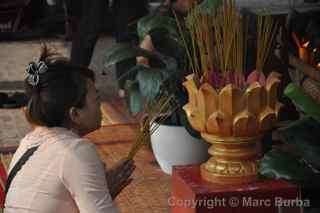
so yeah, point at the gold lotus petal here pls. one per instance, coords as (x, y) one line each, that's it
(192, 93)
(193, 116)
(272, 91)
(245, 124)
(278, 108)
(231, 101)
(267, 118)
(214, 122)
(273, 75)
(218, 124)
(190, 77)
(201, 106)
(208, 100)
(256, 98)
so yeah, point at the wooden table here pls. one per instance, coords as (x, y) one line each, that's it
(191, 194)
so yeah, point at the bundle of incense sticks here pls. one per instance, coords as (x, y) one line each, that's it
(218, 42)
(267, 28)
(156, 114)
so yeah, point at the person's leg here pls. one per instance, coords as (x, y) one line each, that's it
(90, 25)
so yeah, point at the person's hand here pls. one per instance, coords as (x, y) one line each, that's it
(118, 177)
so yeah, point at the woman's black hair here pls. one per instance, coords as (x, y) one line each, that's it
(62, 86)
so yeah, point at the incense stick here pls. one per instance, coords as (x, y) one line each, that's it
(156, 115)
(194, 70)
(266, 30)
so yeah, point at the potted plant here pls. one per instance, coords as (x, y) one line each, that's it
(296, 158)
(175, 142)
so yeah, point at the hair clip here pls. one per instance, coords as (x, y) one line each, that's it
(34, 70)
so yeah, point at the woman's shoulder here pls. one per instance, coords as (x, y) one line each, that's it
(82, 149)
(81, 144)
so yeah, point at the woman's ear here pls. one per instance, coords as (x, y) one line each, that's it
(74, 115)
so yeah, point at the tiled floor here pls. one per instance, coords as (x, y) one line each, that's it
(15, 56)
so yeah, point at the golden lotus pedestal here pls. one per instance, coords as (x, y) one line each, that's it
(232, 120)
(234, 160)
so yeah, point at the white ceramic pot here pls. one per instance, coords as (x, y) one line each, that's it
(173, 145)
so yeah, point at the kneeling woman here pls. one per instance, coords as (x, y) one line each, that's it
(55, 169)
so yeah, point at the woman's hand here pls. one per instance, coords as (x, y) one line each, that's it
(118, 177)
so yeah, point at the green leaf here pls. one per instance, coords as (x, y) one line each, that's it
(168, 75)
(134, 98)
(150, 81)
(120, 52)
(278, 164)
(209, 7)
(133, 71)
(132, 28)
(303, 101)
(266, 142)
(304, 136)
(169, 45)
(149, 23)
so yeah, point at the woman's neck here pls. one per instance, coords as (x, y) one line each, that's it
(78, 132)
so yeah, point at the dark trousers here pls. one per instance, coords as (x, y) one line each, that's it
(126, 12)
(91, 15)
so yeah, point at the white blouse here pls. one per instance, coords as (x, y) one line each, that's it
(64, 175)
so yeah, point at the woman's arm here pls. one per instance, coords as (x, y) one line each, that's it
(83, 174)
(118, 177)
